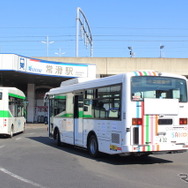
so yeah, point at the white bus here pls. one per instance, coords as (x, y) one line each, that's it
(136, 113)
(12, 111)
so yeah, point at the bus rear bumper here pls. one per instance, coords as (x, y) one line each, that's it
(141, 150)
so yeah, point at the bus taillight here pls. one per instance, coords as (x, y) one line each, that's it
(183, 121)
(5, 122)
(136, 121)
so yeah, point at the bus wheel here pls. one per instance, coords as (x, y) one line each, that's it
(11, 131)
(57, 137)
(93, 146)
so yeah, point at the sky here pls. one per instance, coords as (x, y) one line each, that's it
(152, 28)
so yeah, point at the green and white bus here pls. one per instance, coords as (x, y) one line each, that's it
(12, 111)
(136, 113)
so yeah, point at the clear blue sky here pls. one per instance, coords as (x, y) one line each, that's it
(115, 24)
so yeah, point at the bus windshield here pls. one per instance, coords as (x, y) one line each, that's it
(158, 87)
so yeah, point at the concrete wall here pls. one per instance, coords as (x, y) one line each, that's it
(108, 66)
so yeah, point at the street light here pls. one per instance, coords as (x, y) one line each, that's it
(131, 51)
(47, 42)
(161, 47)
(60, 53)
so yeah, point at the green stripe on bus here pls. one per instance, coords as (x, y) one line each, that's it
(148, 148)
(87, 116)
(60, 97)
(147, 129)
(145, 73)
(67, 115)
(5, 114)
(81, 115)
(16, 96)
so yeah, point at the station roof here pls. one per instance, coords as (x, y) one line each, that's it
(20, 80)
(18, 71)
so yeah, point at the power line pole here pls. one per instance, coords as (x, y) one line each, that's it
(47, 42)
(83, 29)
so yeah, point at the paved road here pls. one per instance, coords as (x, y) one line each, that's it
(32, 160)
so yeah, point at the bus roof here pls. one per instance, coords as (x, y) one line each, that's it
(13, 91)
(74, 81)
(99, 82)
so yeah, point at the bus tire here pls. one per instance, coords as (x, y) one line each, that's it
(57, 137)
(11, 131)
(93, 146)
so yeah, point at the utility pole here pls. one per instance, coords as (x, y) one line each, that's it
(47, 42)
(83, 29)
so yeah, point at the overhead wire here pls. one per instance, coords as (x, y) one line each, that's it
(101, 38)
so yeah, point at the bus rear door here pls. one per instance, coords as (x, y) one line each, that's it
(78, 120)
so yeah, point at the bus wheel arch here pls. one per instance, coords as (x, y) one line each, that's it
(92, 144)
(11, 131)
(56, 136)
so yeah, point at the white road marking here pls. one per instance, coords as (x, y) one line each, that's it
(21, 178)
(2, 146)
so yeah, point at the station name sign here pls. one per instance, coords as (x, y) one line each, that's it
(51, 68)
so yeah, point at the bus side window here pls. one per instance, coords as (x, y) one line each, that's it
(100, 110)
(89, 104)
(11, 108)
(114, 113)
(12, 105)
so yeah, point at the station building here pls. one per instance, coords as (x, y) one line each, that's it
(35, 77)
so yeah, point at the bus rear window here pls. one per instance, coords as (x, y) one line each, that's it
(1, 95)
(158, 87)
